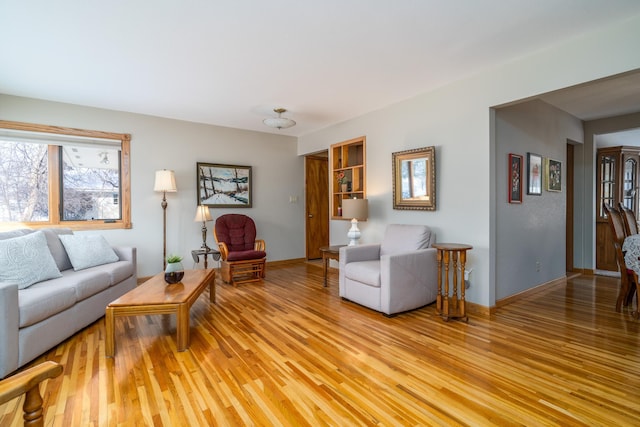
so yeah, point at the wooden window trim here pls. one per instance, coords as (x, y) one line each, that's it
(54, 182)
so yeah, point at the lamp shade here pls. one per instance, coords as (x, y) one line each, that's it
(202, 214)
(355, 208)
(165, 181)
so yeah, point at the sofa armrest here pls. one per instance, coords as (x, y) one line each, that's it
(359, 253)
(407, 277)
(128, 253)
(9, 324)
(354, 254)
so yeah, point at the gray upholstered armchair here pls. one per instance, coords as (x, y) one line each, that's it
(397, 275)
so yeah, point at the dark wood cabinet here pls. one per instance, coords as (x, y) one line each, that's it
(617, 182)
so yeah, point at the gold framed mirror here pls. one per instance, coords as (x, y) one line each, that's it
(414, 179)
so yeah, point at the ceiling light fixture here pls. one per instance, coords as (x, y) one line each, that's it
(279, 122)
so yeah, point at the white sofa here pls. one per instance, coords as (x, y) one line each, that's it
(36, 317)
(397, 275)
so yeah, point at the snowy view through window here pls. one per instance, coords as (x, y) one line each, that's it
(89, 190)
(224, 185)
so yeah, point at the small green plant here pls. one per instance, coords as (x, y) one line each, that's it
(174, 258)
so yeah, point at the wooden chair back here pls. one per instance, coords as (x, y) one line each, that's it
(629, 220)
(616, 223)
(627, 288)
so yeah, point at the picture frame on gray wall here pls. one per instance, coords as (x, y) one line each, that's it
(553, 175)
(534, 174)
(515, 178)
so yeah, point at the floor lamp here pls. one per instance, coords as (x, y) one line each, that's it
(165, 183)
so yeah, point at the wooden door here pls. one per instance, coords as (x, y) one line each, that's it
(569, 214)
(317, 204)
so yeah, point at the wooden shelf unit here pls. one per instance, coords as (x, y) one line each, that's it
(348, 157)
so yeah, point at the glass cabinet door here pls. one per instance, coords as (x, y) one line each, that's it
(629, 179)
(607, 182)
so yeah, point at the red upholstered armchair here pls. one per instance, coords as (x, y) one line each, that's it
(242, 256)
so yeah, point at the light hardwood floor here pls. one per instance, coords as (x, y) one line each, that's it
(290, 352)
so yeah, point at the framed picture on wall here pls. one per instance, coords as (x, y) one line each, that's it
(553, 175)
(224, 186)
(534, 174)
(515, 178)
(414, 179)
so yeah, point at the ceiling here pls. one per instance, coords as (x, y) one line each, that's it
(608, 97)
(230, 63)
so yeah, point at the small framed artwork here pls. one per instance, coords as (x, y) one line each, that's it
(515, 178)
(224, 186)
(553, 175)
(534, 174)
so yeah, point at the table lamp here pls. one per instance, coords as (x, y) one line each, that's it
(355, 209)
(165, 183)
(203, 215)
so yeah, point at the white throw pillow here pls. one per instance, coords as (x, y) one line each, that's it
(26, 260)
(87, 250)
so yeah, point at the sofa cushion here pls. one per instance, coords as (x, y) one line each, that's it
(15, 233)
(85, 283)
(116, 271)
(367, 272)
(41, 302)
(88, 250)
(56, 248)
(400, 238)
(245, 255)
(26, 260)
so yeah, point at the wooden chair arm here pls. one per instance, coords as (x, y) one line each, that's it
(260, 245)
(28, 382)
(224, 250)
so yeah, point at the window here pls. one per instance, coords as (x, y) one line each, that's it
(63, 176)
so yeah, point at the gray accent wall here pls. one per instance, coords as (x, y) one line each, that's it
(530, 236)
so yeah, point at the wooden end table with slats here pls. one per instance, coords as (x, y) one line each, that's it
(155, 296)
(453, 257)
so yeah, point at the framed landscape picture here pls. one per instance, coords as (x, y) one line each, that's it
(553, 175)
(534, 174)
(515, 178)
(224, 186)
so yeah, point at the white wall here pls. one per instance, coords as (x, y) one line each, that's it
(533, 231)
(158, 143)
(458, 120)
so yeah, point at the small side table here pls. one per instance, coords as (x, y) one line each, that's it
(449, 307)
(215, 255)
(329, 252)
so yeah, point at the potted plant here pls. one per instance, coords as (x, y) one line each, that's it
(174, 271)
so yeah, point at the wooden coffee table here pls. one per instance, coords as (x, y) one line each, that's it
(155, 296)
